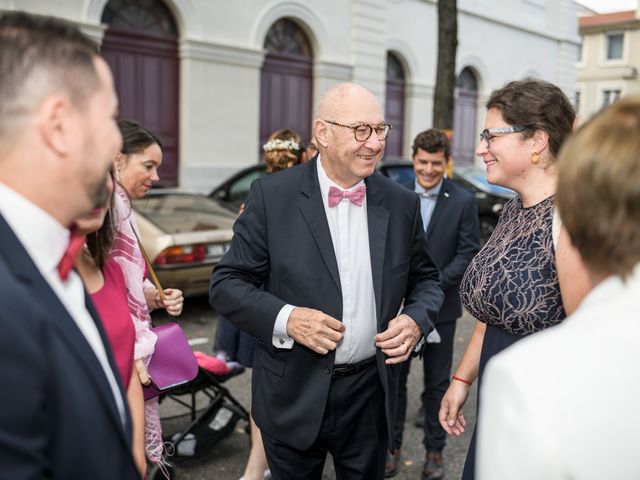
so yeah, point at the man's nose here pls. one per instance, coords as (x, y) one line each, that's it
(373, 143)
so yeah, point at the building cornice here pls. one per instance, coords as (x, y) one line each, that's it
(217, 53)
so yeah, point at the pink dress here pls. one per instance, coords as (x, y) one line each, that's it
(111, 303)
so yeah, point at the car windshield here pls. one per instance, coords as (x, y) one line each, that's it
(478, 178)
(175, 213)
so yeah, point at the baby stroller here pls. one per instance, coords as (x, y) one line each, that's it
(207, 425)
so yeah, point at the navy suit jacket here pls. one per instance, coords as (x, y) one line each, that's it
(453, 239)
(58, 417)
(282, 243)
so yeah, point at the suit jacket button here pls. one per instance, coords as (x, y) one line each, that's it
(327, 370)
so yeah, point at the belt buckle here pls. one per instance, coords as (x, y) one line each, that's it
(342, 371)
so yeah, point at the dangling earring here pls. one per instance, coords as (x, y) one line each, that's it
(535, 158)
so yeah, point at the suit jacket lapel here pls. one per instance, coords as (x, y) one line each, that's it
(441, 202)
(313, 212)
(27, 272)
(378, 221)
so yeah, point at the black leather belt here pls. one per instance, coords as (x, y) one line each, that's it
(347, 369)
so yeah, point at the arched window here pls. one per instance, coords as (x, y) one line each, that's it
(286, 37)
(147, 16)
(286, 81)
(464, 118)
(141, 47)
(467, 81)
(394, 105)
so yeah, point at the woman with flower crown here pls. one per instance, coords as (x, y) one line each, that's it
(283, 149)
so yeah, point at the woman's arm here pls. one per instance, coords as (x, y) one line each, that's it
(572, 275)
(450, 415)
(135, 398)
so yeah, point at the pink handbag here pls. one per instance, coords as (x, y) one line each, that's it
(172, 363)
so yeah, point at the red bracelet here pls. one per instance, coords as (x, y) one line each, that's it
(461, 380)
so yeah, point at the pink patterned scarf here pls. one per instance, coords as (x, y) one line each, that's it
(126, 253)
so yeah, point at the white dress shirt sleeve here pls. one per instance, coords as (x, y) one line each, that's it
(280, 339)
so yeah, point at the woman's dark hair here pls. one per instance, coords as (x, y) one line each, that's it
(99, 242)
(136, 138)
(537, 105)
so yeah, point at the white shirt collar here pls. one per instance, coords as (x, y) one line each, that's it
(326, 182)
(44, 238)
(435, 190)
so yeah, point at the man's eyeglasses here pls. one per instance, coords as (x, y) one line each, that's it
(362, 132)
(489, 133)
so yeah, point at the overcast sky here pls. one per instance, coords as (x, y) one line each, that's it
(605, 6)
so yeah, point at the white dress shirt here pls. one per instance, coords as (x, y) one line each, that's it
(46, 240)
(428, 200)
(562, 403)
(349, 230)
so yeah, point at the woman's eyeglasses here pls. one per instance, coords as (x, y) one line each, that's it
(489, 133)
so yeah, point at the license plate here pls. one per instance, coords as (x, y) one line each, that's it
(217, 249)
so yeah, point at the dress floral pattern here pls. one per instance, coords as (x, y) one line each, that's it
(512, 283)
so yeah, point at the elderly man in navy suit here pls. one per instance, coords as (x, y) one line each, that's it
(450, 217)
(328, 268)
(62, 411)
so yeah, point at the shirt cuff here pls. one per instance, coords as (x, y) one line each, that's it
(280, 339)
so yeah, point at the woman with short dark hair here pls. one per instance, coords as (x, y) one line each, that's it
(517, 284)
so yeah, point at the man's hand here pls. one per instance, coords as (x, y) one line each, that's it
(314, 329)
(399, 339)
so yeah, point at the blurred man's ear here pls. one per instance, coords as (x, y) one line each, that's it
(322, 132)
(54, 121)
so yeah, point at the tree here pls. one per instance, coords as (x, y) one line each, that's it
(446, 70)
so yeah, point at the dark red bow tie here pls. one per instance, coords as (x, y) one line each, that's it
(355, 196)
(68, 260)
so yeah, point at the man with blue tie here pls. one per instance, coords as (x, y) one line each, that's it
(321, 261)
(450, 218)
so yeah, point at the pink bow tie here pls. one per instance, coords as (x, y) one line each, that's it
(76, 242)
(355, 196)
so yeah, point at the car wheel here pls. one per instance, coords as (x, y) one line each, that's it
(487, 226)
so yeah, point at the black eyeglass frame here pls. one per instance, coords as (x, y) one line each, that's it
(488, 134)
(386, 130)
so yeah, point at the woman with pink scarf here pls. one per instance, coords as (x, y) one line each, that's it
(136, 170)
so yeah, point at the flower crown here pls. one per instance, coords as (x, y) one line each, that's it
(278, 144)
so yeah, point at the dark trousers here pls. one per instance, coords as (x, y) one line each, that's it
(436, 364)
(353, 430)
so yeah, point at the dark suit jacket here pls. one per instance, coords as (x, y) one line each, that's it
(282, 242)
(453, 239)
(58, 417)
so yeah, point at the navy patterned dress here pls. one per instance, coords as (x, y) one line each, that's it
(512, 284)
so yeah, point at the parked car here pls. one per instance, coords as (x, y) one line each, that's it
(490, 198)
(232, 193)
(184, 235)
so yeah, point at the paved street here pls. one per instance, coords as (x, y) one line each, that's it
(226, 460)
